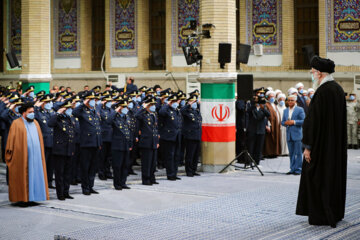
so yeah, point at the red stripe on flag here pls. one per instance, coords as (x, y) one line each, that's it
(218, 134)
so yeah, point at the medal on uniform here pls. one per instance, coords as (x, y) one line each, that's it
(90, 118)
(172, 118)
(64, 129)
(44, 121)
(149, 123)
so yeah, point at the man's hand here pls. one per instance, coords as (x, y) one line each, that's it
(12, 106)
(290, 122)
(86, 101)
(158, 145)
(145, 105)
(307, 155)
(61, 110)
(117, 109)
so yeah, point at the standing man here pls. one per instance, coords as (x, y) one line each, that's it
(64, 147)
(322, 188)
(301, 101)
(352, 108)
(90, 141)
(130, 86)
(293, 120)
(25, 157)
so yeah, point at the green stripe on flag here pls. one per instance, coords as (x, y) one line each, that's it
(217, 90)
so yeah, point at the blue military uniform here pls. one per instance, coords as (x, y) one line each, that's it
(63, 150)
(120, 147)
(148, 143)
(76, 169)
(170, 133)
(104, 171)
(90, 143)
(134, 131)
(192, 136)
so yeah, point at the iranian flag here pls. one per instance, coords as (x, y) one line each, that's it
(218, 112)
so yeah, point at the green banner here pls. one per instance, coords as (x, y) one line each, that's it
(218, 91)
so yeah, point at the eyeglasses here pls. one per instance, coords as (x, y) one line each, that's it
(291, 100)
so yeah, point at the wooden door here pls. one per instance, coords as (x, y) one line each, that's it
(98, 34)
(157, 28)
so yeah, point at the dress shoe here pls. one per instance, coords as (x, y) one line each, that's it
(349, 146)
(102, 177)
(93, 191)
(69, 196)
(155, 183)
(289, 173)
(177, 178)
(74, 183)
(296, 173)
(355, 146)
(147, 183)
(61, 198)
(109, 177)
(52, 187)
(197, 174)
(118, 188)
(125, 187)
(189, 174)
(86, 192)
(171, 178)
(132, 173)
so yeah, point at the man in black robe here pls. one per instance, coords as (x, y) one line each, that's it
(323, 179)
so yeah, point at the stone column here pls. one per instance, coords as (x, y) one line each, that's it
(218, 85)
(35, 44)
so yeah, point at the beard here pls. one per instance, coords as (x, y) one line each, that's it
(316, 84)
(29, 120)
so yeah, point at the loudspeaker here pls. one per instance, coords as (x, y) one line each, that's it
(308, 51)
(224, 54)
(193, 24)
(12, 59)
(243, 53)
(245, 86)
(157, 58)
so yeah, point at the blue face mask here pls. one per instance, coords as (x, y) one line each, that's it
(138, 99)
(124, 111)
(282, 103)
(306, 98)
(134, 99)
(352, 97)
(131, 105)
(92, 103)
(261, 95)
(108, 104)
(311, 96)
(312, 78)
(47, 106)
(194, 105)
(152, 108)
(166, 101)
(301, 91)
(158, 92)
(272, 100)
(143, 94)
(98, 103)
(31, 116)
(77, 104)
(68, 112)
(32, 94)
(182, 103)
(174, 105)
(17, 109)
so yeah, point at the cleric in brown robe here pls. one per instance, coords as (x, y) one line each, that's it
(323, 179)
(24, 155)
(272, 146)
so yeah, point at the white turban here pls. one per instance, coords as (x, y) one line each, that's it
(270, 89)
(292, 96)
(269, 92)
(277, 91)
(281, 95)
(292, 91)
(310, 90)
(299, 85)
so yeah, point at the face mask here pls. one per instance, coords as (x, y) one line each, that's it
(77, 104)
(174, 105)
(98, 103)
(261, 95)
(143, 94)
(32, 94)
(352, 97)
(152, 108)
(301, 91)
(182, 103)
(51, 104)
(31, 116)
(272, 100)
(166, 101)
(68, 112)
(158, 92)
(306, 98)
(124, 111)
(92, 103)
(194, 105)
(314, 81)
(282, 103)
(134, 99)
(131, 105)
(108, 104)
(47, 106)
(138, 99)
(17, 109)
(311, 96)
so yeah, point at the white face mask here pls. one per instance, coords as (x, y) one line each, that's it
(315, 81)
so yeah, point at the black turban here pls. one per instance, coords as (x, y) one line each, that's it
(322, 64)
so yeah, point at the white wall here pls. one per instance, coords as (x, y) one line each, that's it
(65, 63)
(124, 62)
(345, 58)
(265, 60)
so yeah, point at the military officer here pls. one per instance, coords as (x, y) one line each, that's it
(142, 91)
(29, 94)
(134, 131)
(192, 135)
(90, 141)
(76, 169)
(149, 140)
(43, 113)
(64, 147)
(104, 171)
(163, 100)
(352, 107)
(170, 133)
(181, 153)
(121, 144)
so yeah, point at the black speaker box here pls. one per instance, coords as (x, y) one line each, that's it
(243, 53)
(157, 58)
(12, 59)
(245, 86)
(224, 53)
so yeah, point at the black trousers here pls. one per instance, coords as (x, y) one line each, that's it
(192, 155)
(50, 164)
(180, 155)
(62, 174)
(160, 154)
(120, 164)
(76, 169)
(133, 155)
(170, 150)
(88, 158)
(255, 145)
(148, 165)
(104, 164)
